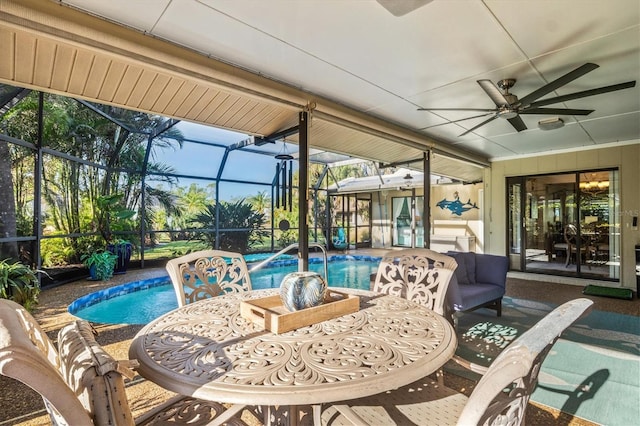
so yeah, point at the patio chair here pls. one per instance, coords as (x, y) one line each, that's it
(419, 275)
(82, 384)
(339, 240)
(500, 397)
(208, 273)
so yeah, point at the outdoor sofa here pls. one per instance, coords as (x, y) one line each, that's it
(479, 281)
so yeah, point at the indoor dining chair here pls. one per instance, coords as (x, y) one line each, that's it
(208, 273)
(499, 398)
(81, 384)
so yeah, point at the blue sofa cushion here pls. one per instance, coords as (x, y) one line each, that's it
(477, 294)
(466, 270)
(492, 269)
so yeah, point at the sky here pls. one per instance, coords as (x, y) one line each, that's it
(200, 160)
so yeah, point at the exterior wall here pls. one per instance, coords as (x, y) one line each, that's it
(625, 157)
(444, 225)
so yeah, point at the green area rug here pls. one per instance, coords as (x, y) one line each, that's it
(617, 293)
(592, 372)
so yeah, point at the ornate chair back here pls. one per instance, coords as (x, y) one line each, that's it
(208, 273)
(27, 355)
(419, 275)
(81, 383)
(502, 394)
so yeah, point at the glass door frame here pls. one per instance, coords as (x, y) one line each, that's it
(579, 237)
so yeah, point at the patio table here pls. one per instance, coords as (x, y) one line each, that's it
(208, 350)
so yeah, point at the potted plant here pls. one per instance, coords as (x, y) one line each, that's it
(18, 282)
(123, 250)
(100, 263)
(114, 217)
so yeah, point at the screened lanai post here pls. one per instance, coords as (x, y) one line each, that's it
(303, 191)
(426, 198)
(169, 123)
(39, 167)
(218, 177)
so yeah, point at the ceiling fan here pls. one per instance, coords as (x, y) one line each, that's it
(509, 107)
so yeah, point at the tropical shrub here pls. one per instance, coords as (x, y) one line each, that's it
(240, 226)
(100, 263)
(18, 282)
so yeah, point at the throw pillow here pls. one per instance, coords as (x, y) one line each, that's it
(93, 374)
(461, 271)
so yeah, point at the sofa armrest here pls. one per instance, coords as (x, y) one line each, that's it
(492, 269)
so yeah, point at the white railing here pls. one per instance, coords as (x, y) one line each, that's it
(290, 247)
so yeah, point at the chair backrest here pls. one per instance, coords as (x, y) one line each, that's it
(208, 273)
(502, 394)
(27, 355)
(419, 275)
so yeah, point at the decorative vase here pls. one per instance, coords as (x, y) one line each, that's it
(300, 290)
(123, 251)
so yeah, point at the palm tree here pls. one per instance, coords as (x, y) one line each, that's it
(261, 202)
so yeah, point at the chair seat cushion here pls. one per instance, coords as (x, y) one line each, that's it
(94, 375)
(472, 295)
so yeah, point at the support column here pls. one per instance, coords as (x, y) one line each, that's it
(303, 192)
(426, 207)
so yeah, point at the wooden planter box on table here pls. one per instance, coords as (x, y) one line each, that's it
(272, 316)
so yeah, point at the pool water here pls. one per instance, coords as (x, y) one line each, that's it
(141, 302)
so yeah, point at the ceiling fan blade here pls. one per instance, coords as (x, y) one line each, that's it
(479, 125)
(559, 82)
(455, 121)
(584, 94)
(517, 123)
(458, 109)
(557, 111)
(494, 93)
(400, 8)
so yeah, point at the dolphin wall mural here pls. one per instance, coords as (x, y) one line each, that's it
(456, 206)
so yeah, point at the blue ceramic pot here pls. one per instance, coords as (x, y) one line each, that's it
(300, 290)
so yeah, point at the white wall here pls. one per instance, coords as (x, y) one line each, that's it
(444, 224)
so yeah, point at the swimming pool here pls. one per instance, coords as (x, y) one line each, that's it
(139, 302)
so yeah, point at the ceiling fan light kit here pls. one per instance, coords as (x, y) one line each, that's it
(551, 123)
(509, 107)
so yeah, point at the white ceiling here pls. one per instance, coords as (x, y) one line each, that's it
(361, 56)
(357, 53)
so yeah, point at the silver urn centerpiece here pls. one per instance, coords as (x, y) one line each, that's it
(300, 290)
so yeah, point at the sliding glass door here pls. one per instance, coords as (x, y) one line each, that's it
(564, 224)
(408, 229)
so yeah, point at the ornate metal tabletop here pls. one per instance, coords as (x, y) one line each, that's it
(206, 349)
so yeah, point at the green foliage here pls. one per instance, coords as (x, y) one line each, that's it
(55, 251)
(102, 263)
(173, 249)
(289, 236)
(19, 283)
(113, 216)
(240, 226)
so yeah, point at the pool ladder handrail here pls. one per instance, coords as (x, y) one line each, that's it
(292, 246)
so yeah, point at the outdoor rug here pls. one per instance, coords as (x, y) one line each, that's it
(592, 372)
